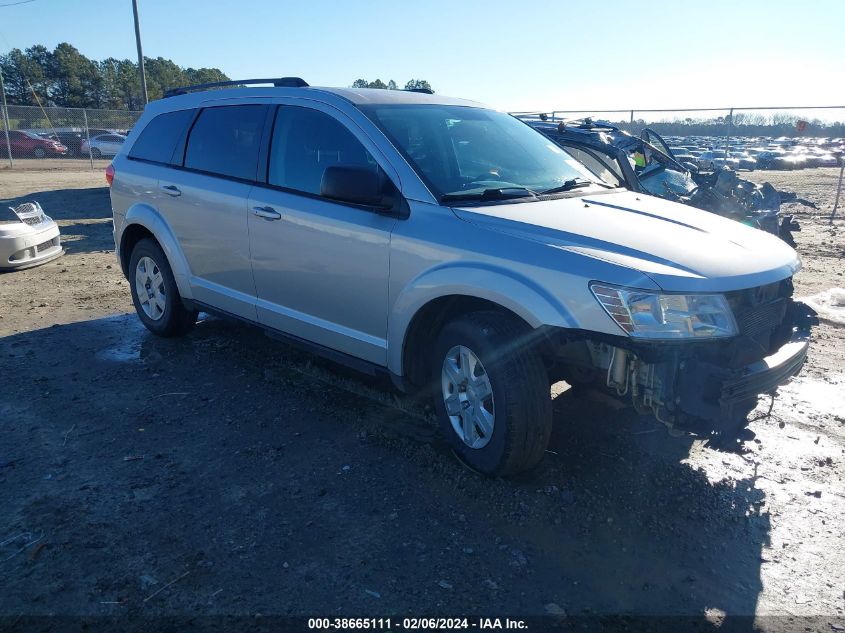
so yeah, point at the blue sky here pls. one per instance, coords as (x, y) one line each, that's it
(518, 56)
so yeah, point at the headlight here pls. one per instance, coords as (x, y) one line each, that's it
(654, 315)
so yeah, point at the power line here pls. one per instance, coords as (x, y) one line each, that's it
(12, 4)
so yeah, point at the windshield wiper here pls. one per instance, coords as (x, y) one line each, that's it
(503, 193)
(569, 185)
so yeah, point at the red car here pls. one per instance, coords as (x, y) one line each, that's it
(27, 144)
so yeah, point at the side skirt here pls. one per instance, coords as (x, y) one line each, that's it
(352, 362)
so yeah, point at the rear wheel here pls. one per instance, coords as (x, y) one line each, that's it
(154, 292)
(491, 393)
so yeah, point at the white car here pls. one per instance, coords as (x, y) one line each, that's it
(103, 145)
(28, 237)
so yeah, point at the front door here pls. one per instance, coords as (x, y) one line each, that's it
(653, 138)
(320, 267)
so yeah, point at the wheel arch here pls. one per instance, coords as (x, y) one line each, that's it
(435, 298)
(142, 222)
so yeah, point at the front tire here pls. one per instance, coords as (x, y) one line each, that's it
(39, 152)
(491, 393)
(96, 153)
(154, 292)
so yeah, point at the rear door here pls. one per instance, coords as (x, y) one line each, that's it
(321, 267)
(205, 203)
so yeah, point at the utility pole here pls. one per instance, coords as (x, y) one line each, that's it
(140, 52)
(6, 121)
(728, 137)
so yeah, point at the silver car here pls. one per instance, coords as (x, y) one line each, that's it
(103, 145)
(454, 248)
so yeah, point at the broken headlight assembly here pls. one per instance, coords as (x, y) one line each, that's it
(647, 314)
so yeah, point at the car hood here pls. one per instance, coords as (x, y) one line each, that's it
(680, 247)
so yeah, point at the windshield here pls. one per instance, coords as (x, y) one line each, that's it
(667, 183)
(460, 151)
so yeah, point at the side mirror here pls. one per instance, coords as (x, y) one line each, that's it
(356, 185)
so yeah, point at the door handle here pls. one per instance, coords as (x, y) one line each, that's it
(268, 213)
(171, 190)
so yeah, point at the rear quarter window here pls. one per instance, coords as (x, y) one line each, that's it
(158, 139)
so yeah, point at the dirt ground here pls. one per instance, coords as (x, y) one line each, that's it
(225, 473)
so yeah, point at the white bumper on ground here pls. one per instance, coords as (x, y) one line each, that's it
(23, 246)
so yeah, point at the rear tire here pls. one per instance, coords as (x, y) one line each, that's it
(488, 352)
(155, 294)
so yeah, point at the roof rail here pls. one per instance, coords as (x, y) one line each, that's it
(278, 82)
(582, 123)
(425, 91)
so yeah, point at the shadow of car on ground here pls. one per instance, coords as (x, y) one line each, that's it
(283, 484)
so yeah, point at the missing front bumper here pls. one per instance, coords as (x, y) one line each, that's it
(706, 388)
(714, 399)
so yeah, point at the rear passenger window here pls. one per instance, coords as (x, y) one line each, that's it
(158, 139)
(225, 141)
(307, 141)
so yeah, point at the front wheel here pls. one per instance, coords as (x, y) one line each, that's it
(491, 393)
(39, 152)
(154, 292)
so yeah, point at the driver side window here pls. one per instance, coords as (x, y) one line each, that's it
(305, 142)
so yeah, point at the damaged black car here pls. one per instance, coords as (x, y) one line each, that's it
(648, 165)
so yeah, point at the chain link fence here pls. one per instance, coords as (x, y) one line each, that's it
(760, 138)
(814, 133)
(30, 135)
(815, 121)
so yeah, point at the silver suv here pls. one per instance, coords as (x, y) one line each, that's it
(455, 248)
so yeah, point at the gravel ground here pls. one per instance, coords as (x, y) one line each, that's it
(259, 479)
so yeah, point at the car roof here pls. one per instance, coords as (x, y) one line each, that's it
(356, 96)
(367, 96)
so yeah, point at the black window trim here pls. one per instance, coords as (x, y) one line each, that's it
(182, 146)
(316, 196)
(399, 208)
(180, 142)
(150, 161)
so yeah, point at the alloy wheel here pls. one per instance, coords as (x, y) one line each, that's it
(468, 396)
(149, 288)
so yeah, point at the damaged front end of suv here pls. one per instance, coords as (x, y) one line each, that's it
(697, 362)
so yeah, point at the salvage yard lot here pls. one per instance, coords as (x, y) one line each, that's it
(264, 480)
